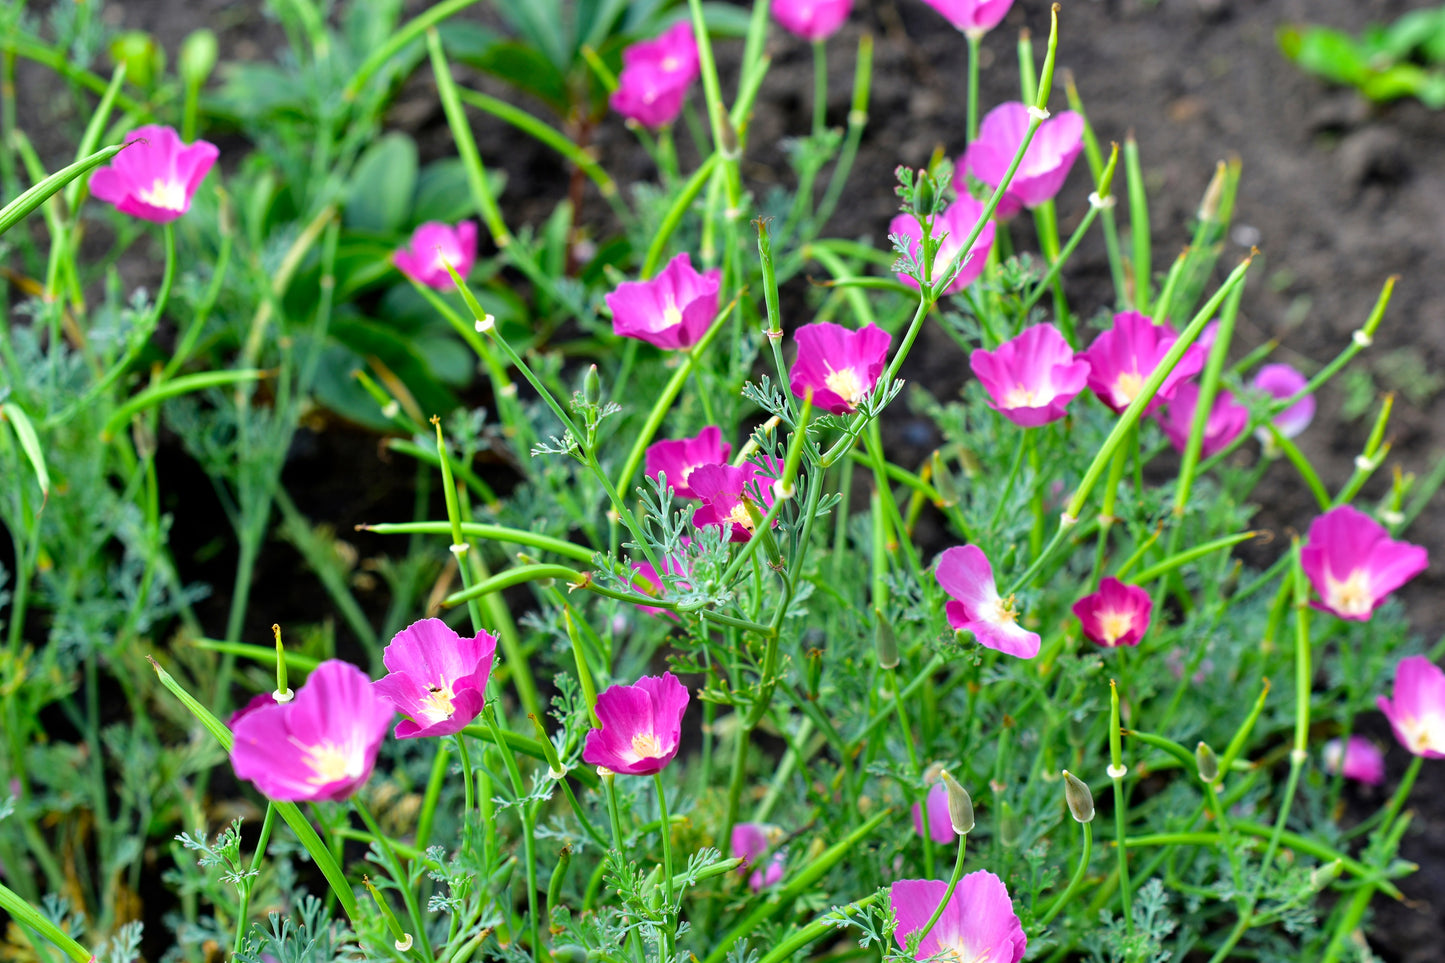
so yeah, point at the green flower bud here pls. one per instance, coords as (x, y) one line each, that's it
(592, 387)
(960, 806)
(1079, 798)
(885, 641)
(198, 57)
(1207, 761)
(145, 61)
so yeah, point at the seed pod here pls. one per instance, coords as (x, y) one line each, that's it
(1079, 798)
(1207, 761)
(960, 806)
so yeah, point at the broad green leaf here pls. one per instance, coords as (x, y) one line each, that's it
(1329, 53)
(382, 185)
(1400, 80)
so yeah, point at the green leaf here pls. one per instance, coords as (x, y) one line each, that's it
(382, 185)
(1329, 53)
(25, 432)
(373, 339)
(1401, 80)
(520, 65)
(442, 192)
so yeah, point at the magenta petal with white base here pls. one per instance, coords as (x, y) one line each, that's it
(1122, 358)
(678, 458)
(841, 366)
(1358, 758)
(1354, 564)
(726, 490)
(1281, 381)
(155, 176)
(1045, 165)
(978, 923)
(1227, 419)
(436, 678)
(656, 75)
(673, 310)
(940, 827)
(953, 225)
(1032, 378)
(432, 247)
(641, 726)
(322, 745)
(1417, 713)
(965, 574)
(1116, 614)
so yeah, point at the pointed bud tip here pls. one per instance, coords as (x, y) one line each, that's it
(1079, 798)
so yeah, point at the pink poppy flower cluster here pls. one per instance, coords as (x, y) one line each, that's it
(656, 75)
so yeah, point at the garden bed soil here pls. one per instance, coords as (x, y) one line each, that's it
(1336, 193)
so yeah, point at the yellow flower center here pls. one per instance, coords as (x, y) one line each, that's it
(741, 516)
(330, 764)
(167, 195)
(671, 315)
(1003, 612)
(1115, 624)
(957, 952)
(1020, 397)
(646, 746)
(1127, 386)
(1424, 733)
(1352, 596)
(846, 385)
(439, 702)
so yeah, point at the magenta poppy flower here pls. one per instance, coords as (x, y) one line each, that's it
(436, 678)
(432, 247)
(1358, 758)
(1115, 615)
(841, 366)
(1045, 164)
(1227, 419)
(752, 842)
(1353, 563)
(940, 827)
(954, 225)
(723, 489)
(979, 922)
(656, 75)
(1031, 379)
(811, 19)
(156, 175)
(258, 701)
(675, 565)
(679, 457)
(1417, 713)
(641, 726)
(965, 574)
(972, 16)
(1280, 381)
(319, 746)
(1122, 358)
(673, 310)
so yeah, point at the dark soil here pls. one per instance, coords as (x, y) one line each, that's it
(1337, 194)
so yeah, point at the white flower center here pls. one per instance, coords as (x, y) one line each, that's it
(956, 951)
(1353, 596)
(1115, 624)
(331, 763)
(1427, 732)
(846, 385)
(167, 195)
(646, 745)
(671, 315)
(1000, 612)
(439, 702)
(741, 516)
(1020, 397)
(1127, 386)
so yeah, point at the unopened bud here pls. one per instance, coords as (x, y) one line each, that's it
(1213, 194)
(144, 59)
(1207, 762)
(1008, 825)
(1079, 798)
(198, 57)
(960, 807)
(885, 641)
(592, 387)
(1322, 876)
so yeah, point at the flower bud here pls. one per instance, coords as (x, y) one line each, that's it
(198, 57)
(1207, 762)
(144, 59)
(592, 387)
(1008, 825)
(1079, 798)
(885, 641)
(960, 807)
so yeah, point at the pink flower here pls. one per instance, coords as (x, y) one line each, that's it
(978, 923)
(1044, 167)
(751, 842)
(940, 827)
(673, 310)
(726, 491)
(1031, 379)
(641, 726)
(435, 677)
(679, 457)
(812, 19)
(656, 75)
(1225, 422)
(1360, 758)
(1353, 563)
(956, 222)
(432, 247)
(840, 365)
(1418, 712)
(1115, 615)
(258, 701)
(319, 746)
(1122, 358)
(675, 565)
(965, 574)
(972, 16)
(1280, 381)
(155, 176)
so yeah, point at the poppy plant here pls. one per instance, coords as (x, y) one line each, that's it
(812, 19)
(656, 75)
(965, 573)
(321, 745)
(678, 458)
(838, 365)
(1045, 164)
(1417, 713)
(1122, 358)
(641, 726)
(1227, 419)
(751, 842)
(972, 16)
(673, 310)
(155, 175)
(1280, 381)
(978, 923)
(1354, 564)
(436, 678)
(1356, 758)
(432, 247)
(1031, 379)
(953, 225)
(730, 494)
(1115, 615)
